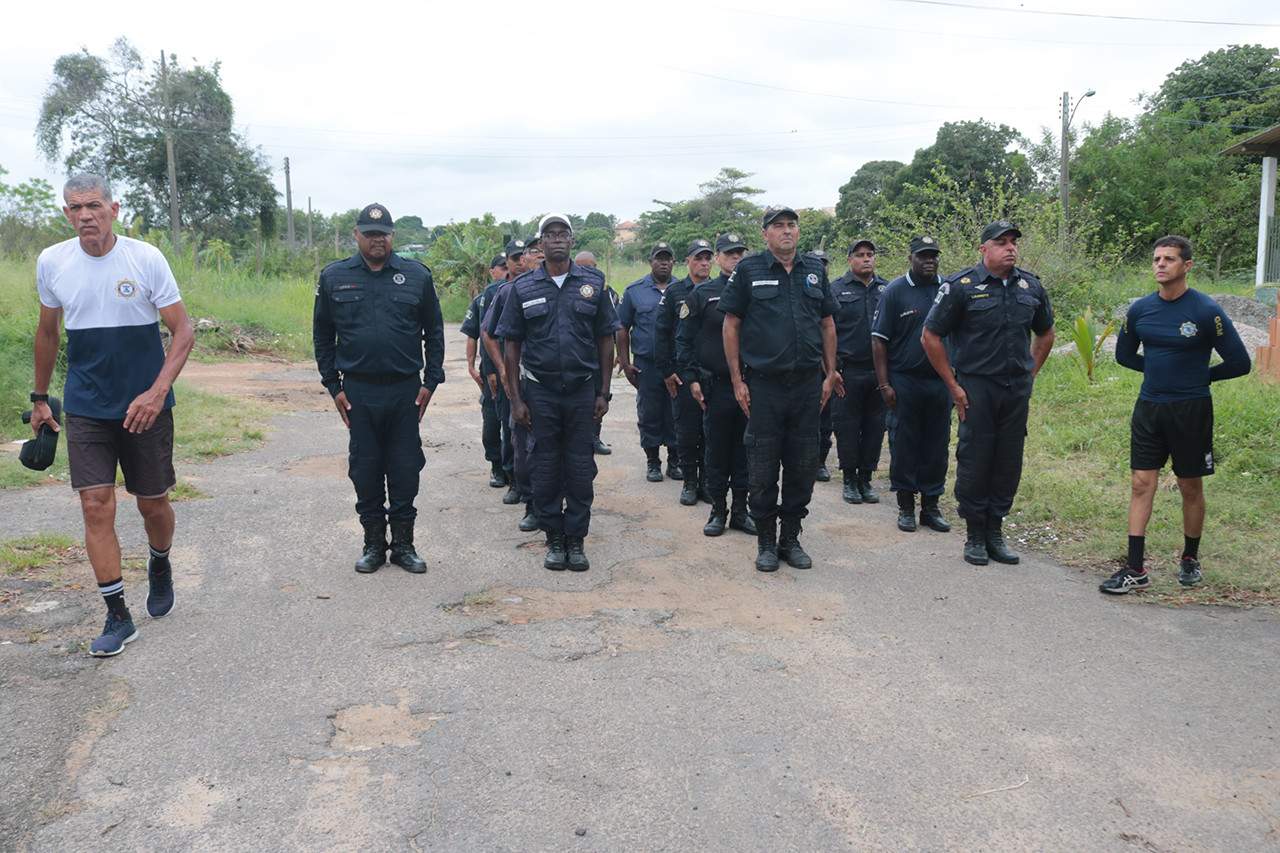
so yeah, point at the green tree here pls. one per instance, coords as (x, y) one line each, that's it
(1236, 86)
(818, 229)
(853, 210)
(108, 115)
(459, 259)
(30, 217)
(724, 206)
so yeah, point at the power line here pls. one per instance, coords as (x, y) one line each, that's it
(1023, 11)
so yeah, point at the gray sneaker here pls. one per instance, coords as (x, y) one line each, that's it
(115, 634)
(1190, 574)
(1124, 581)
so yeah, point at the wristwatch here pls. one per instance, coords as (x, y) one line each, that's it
(608, 398)
(39, 398)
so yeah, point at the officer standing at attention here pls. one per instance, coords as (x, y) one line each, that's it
(858, 417)
(919, 418)
(111, 293)
(1178, 328)
(379, 341)
(779, 340)
(704, 371)
(688, 414)
(516, 437)
(559, 328)
(491, 423)
(638, 314)
(824, 425)
(990, 312)
(588, 260)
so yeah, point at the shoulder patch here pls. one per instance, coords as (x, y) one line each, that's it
(943, 290)
(684, 310)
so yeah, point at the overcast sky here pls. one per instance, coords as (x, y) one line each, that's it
(449, 110)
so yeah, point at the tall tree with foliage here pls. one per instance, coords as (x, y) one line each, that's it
(459, 258)
(853, 210)
(725, 205)
(107, 115)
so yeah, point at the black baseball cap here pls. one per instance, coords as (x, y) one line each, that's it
(728, 242)
(772, 213)
(697, 247)
(515, 248)
(660, 247)
(38, 453)
(498, 260)
(853, 247)
(924, 243)
(375, 218)
(820, 255)
(998, 229)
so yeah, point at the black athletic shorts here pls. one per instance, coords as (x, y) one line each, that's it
(1183, 430)
(95, 447)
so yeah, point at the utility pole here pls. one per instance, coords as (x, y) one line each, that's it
(288, 202)
(174, 218)
(309, 243)
(1064, 175)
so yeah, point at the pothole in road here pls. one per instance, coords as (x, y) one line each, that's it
(363, 727)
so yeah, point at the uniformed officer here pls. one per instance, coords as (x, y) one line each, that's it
(687, 413)
(588, 260)
(779, 339)
(521, 488)
(638, 314)
(379, 341)
(990, 313)
(824, 425)
(858, 417)
(558, 325)
(496, 451)
(919, 417)
(703, 369)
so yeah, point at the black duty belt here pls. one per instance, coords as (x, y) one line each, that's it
(379, 378)
(556, 383)
(787, 377)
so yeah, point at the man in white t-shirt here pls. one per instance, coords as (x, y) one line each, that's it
(118, 396)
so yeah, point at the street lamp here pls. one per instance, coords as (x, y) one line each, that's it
(1067, 116)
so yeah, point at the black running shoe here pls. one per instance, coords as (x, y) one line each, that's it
(1190, 574)
(1124, 581)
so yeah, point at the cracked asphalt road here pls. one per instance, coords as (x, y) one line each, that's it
(891, 698)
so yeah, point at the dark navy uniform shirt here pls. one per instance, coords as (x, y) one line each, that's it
(386, 322)
(990, 323)
(559, 326)
(700, 333)
(857, 303)
(781, 312)
(899, 320)
(1177, 337)
(474, 322)
(664, 327)
(639, 313)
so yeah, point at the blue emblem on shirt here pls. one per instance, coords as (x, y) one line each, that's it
(1188, 329)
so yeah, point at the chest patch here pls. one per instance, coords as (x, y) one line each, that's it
(1188, 329)
(126, 288)
(587, 291)
(812, 279)
(398, 278)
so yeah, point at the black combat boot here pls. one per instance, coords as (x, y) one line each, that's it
(689, 492)
(601, 448)
(402, 553)
(719, 514)
(996, 549)
(824, 474)
(852, 494)
(766, 547)
(557, 560)
(739, 518)
(512, 497)
(869, 495)
(375, 547)
(930, 517)
(529, 523)
(674, 471)
(789, 545)
(907, 512)
(654, 463)
(498, 477)
(975, 541)
(577, 560)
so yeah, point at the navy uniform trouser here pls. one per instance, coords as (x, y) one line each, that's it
(782, 431)
(989, 444)
(653, 407)
(919, 434)
(688, 424)
(724, 424)
(521, 445)
(385, 450)
(496, 429)
(825, 428)
(858, 418)
(562, 460)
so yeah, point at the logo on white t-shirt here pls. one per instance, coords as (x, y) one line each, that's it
(126, 288)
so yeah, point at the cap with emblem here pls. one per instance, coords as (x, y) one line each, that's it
(729, 242)
(998, 229)
(553, 217)
(515, 248)
(697, 247)
(821, 255)
(861, 241)
(660, 247)
(375, 218)
(924, 243)
(772, 213)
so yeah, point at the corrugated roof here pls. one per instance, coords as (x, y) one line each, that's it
(1265, 144)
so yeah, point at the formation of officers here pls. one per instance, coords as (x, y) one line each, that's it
(744, 376)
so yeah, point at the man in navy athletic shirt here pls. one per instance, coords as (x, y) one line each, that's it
(1178, 328)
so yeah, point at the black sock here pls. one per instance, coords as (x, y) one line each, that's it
(1190, 547)
(1137, 545)
(159, 562)
(113, 595)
